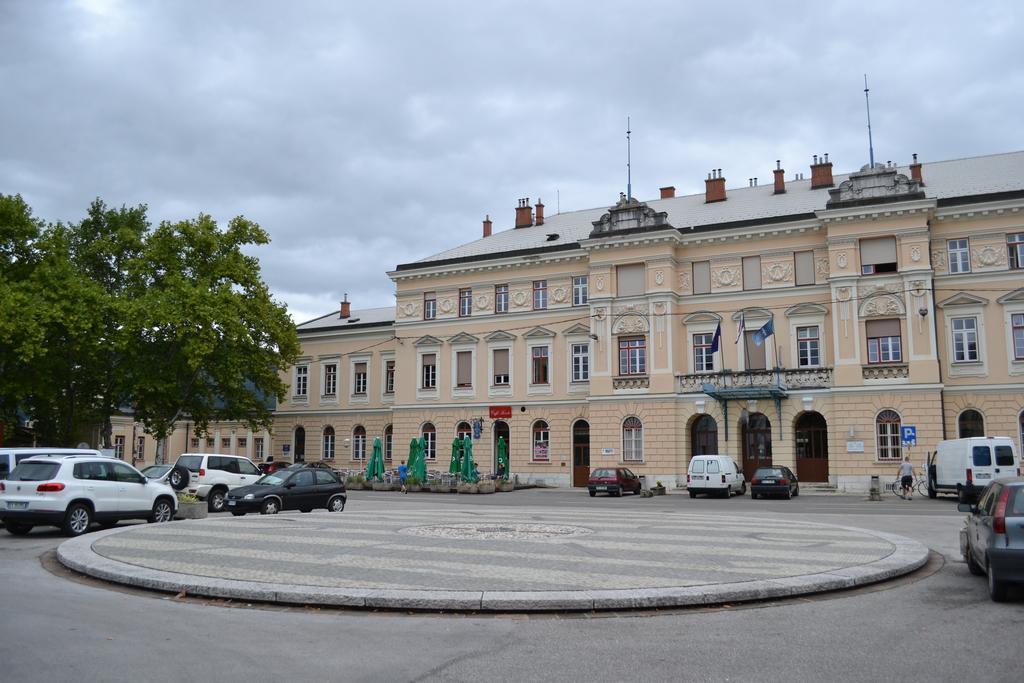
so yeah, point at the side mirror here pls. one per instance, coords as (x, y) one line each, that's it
(965, 507)
(290, 485)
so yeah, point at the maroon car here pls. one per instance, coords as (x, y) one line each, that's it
(613, 481)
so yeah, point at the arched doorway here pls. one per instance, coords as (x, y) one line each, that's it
(811, 439)
(300, 444)
(704, 436)
(971, 423)
(580, 453)
(501, 430)
(757, 444)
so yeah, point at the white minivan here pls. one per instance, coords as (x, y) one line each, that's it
(715, 475)
(966, 466)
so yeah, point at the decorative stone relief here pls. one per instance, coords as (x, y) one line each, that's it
(559, 294)
(843, 294)
(726, 277)
(841, 260)
(599, 283)
(630, 323)
(915, 254)
(630, 308)
(659, 307)
(990, 256)
(659, 277)
(821, 267)
(939, 258)
(409, 309)
(519, 298)
(599, 314)
(447, 305)
(482, 301)
(881, 304)
(684, 282)
(779, 272)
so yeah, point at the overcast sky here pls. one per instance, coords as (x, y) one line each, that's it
(362, 135)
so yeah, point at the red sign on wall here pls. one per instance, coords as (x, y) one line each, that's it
(499, 412)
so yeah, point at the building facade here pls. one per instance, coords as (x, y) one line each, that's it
(806, 323)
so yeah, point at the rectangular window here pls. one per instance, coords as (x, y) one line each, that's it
(330, 379)
(429, 306)
(752, 353)
(808, 346)
(389, 377)
(633, 356)
(243, 442)
(500, 362)
(301, 380)
(630, 279)
(1015, 248)
(430, 445)
(965, 339)
(225, 443)
(702, 277)
(429, 361)
(959, 256)
(359, 378)
(119, 447)
(540, 444)
(580, 362)
(883, 341)
(464, 369)
(752, 272)
(539, 365)
(501, 298)
(580, 290)
(803, 262)
(257, 448)
(328, 445)
(195, 442)
(140, 448)
(703, 359)
(878, 256)
(540, 294)
(1017, 322)
(465, 303)
(209, 442)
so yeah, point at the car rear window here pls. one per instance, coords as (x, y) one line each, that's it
(697, 467)
(603, 473)
(769, 472)
(1004, 456)
(982, 456)
(713, 467)
(1016, 503)
(34, 471)
(191, 462)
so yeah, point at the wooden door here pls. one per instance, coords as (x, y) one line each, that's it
(757, 444)
(580, 453)
(811, 435)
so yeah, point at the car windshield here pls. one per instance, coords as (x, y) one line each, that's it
(603, 474)
(272, 479)
(34, 471)
(192, 463)
(156, 471)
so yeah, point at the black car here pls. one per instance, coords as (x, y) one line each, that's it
(299, 488)
(774, 481)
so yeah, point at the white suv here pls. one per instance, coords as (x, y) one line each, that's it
(73, 491)
(210, 476)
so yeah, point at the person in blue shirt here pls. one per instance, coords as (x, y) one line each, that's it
(403, 472)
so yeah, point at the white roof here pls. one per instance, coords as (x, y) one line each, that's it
(943, 179)
(366, 316)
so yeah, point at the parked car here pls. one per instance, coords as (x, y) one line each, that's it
(966, 466)
(273, 466)
(613, 480)
(296, 488)
(715, 475)
(992, 540)
(209, 476)
(774, 481)
(71, 491)
(11, 456)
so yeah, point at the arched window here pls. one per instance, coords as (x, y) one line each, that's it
(887, 432)
(704, 436)
(430, 438)
(359, 443)
(328, 451)
(971, 423)
(388, 439)
(541, 437)
(300, 444)
(463, 430)
(632, 440)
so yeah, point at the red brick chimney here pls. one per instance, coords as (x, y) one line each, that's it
(668, 192)
(345, 307)
(487, 226)
(539, 213)
(714, 187)
(915, 171)
(524, 214)
(780, 178)
(821, 172)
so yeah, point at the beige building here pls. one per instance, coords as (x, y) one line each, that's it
(805, 322)
(132, 444)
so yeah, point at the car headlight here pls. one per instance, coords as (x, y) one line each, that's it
(249, 496)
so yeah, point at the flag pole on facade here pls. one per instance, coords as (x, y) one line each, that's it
(716, 341)
(741, 329)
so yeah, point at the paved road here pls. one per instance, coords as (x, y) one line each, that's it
(938, 626)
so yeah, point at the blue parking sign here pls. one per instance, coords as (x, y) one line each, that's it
(908, 435)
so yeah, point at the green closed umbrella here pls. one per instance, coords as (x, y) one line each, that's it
(468, 470)
(503, 457)
(371, 468)
(456, 464)
(413, 452)
(421, 459)
(377, 460)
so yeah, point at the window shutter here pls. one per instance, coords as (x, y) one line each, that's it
(702, 277)
(631, 279)
(464, 370)
(501, 361)
(804, 262)
(883, 328)
(428, 359)
(875, 251)
(752, 272)
(754, 354)
(360, 368)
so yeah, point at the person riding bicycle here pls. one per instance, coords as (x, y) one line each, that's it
(906, 475)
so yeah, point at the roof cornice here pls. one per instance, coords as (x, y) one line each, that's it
(876, 211)
(485, 263)
(983, 209)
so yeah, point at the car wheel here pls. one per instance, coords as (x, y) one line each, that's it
(743, 489)
(178, 478)
(961, 495)
(163, 511)
(336, 504)
(639, 488)
(789, 494)
(997, 590)
(77, 520)
(237, 514)
(753, 496)
(215, 502)
(17, 528)
(796, 491)
(593, 493)
(270, 507)
(972, 564)
(693, 494)
(932, 493)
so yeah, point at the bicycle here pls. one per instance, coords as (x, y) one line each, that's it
(920, 485)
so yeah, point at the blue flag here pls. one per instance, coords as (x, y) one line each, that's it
(717, 339)
(767, 330)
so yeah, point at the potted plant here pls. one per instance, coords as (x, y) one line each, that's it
(658, 489)
(468, 487)
(190, 507)
(485, 486)
(413, 484)
(505, 485)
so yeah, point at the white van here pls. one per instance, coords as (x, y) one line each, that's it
(10, 457)
(966, 466)
(715, 475)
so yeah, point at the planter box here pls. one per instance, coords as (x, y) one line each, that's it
(192, 510)
(658, 490)
(468, 488)
(505, 486)
(486, 487)
(381, 486)
(415, 488)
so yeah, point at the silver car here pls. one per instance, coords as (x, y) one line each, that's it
(992, 540)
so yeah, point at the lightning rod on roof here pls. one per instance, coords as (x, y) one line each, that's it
(629, 171)
(867, 103)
